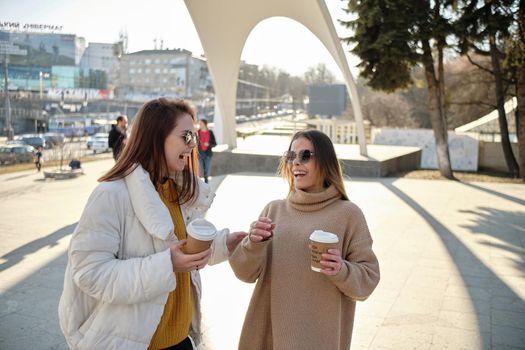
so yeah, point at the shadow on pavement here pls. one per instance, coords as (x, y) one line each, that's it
(15, 256)
(19, 177)
(475, 268)
(501, 224)
(495, 193)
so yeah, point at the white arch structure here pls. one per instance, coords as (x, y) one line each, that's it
(223, 27)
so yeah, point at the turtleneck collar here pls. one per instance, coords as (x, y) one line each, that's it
(312, 201)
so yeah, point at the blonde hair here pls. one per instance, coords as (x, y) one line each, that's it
(326, 160)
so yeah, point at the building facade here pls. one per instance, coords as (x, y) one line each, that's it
(52, 61)
(177, 73)
(103, 57)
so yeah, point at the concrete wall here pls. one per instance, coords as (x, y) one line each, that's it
(491, 155)
(463, 149)
(227, 162)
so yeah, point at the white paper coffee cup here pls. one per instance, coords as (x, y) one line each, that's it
(201, 234)
(320, 242)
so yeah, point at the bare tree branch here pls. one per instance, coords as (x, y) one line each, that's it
(472, 103)
(474, 63)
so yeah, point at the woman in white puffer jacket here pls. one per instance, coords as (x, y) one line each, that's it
(128, 283)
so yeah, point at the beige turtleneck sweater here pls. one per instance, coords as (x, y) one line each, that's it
(293, 307)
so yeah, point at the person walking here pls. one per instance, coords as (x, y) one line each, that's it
(129, 284)
(39, 158)
(118, 135)
(206, 144)
(293, 307)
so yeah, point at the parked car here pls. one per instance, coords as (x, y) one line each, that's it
(34, 140)
(91, 139)
(54, 139)
(98, 143)
(16, 142)
(12, 154)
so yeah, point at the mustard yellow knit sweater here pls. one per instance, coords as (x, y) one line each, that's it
(176, 320)
(293, 307)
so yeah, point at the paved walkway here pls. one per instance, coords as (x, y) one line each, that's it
(452, 260)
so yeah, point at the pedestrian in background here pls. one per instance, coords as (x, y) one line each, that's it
(128, 282)
(118, 135)
(206, 143)
(292, 306)
(39, 158)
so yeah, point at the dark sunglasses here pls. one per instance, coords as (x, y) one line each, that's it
(189, 137)
(304, 156)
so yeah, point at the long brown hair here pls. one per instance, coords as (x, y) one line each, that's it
(326, 160)
(154, 121)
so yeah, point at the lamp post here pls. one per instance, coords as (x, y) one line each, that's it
(42, 75)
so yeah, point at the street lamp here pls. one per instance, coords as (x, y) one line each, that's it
(42, 75)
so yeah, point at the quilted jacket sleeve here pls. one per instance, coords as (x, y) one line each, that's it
(93, 257)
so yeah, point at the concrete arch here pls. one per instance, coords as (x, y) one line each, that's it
(223, 27)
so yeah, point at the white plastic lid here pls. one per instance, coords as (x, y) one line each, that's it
(324, 237)
(202, 230)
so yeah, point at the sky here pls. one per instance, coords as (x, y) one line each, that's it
(294, 49)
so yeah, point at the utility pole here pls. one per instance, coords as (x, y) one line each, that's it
(7, 104)
(7, 48)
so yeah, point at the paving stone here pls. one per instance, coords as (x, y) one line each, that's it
(451, 256)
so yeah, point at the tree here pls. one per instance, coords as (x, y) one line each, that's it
(470, 90)
(393, 36)
(319, 74)
(515, 61)
(484, 28)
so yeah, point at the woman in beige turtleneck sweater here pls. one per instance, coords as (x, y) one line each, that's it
(293, 307)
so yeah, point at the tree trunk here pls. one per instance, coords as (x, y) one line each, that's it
(512, 165)
(520, 91)
(520, 118)
(437, 119)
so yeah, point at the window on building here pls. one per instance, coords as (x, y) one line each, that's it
(147, 61)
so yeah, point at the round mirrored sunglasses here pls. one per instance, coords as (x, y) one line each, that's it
(189, 137)
(304, 156)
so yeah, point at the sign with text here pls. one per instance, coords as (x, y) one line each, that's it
(79, 94)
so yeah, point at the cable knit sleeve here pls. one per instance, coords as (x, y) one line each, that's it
(249, 259)
(359, 274)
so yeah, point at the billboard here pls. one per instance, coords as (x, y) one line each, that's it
(327, 100)
(43, 49)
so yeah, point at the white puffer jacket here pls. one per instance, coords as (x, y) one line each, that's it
(119, 271)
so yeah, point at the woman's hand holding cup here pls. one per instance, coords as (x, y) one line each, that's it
(331, 262)
(182, 262)
(261, 230)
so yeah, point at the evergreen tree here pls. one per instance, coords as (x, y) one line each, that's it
(393, 36)
(487, 28)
